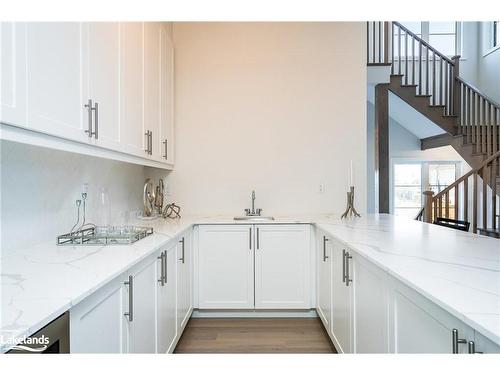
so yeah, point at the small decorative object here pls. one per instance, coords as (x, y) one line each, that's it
(172, 211)
(148, 197)
(160, 190)
(350, 210)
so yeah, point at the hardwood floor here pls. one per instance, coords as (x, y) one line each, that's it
(254, 335)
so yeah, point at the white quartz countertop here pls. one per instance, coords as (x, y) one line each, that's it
(458, 271)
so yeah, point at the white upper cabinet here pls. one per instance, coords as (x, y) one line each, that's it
(324, 279)
(282, 264)
(52, 71)
(166, 139)
(152, 82)
(133, 139)
(103, 82)
(13, 73)
(55, 79)
(225, 267)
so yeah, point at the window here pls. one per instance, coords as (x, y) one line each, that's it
(410, 180)
(407, 189)
(496, 34)
(441, 35)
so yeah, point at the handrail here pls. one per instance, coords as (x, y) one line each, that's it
(427, 45)
(484, 96)
(420, 214)
(466, 176)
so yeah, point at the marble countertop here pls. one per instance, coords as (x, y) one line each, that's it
(458, 271)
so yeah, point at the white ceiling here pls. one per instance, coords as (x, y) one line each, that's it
(407, 117)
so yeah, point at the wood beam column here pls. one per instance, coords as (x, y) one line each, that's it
(382, 146)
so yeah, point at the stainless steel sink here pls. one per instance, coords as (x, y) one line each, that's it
(253, 218)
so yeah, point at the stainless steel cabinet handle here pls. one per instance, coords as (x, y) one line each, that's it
(455, 341)
(161, 280)
(130, 313)
(96, 120)
(147, 141)
(166, 149)
(258, 238)
(89, 111)
(325, 257)
(165, 265)
(472, 348)
(347, 276)
(343, 265)
(151, 142)
(182, 242)
(250, 238)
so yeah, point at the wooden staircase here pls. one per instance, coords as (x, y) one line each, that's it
(430, 82)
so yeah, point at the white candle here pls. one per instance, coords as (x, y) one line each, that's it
(351, 180)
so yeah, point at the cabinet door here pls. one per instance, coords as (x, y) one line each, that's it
(166, 327)
(56, 74)
(97, 323)
(104, 80)
(419, 326)
(131, 88)
(342, 329)
(13, 73)
(371, 308)
(226, 267)
(282, 266)
(184, 280)
(166, 97)
(324, 290)
(152, 82)
(484, 345)
(142, 328)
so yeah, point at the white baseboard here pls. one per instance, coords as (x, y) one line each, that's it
(254, 313)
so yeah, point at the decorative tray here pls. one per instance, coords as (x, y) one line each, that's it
(119, 235)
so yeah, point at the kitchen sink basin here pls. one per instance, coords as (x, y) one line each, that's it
(253, 218)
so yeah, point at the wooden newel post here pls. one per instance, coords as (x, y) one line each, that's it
(456, 88)
(428, 206)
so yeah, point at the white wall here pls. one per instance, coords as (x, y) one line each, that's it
(488, 64)
(39, 188)
(480, 65)
(275, 107)
(402, 145)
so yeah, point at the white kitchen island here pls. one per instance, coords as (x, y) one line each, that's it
(408, 278)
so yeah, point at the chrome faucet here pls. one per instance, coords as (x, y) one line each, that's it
(253, 211)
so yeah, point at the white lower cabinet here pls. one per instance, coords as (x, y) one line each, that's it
(225, 267)
(142, 311)
(372, 312)
(184, 280)
(282, 258)
(97, 324)
(370, 307)
(254, 266)
(342, 299)
(483, 345)
(166, 324)
(324, 278)
(141, 327)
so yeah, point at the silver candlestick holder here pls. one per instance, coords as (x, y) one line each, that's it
(350, 210)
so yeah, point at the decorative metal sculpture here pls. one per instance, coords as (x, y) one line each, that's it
(172, 211)
(350, 210)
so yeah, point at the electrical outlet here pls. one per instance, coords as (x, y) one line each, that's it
(322, 188)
